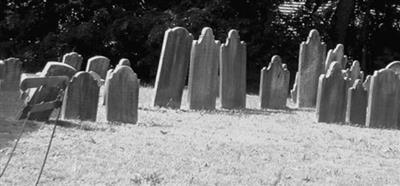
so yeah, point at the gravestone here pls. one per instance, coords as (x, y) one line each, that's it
(173, 68)
(11, 74)
(73, 59)
(383, 100)
(203, 71)
(357, 98)
(233, 72)
(293, 91)
(274, 84)
(45, 94)
(125, 62)
(106, 85)
(122, 96)
(331, 99)
(367, 83)
(98, 64)
(311, 65)
(81, 98)
(355, 72)
(337, 55)
(395, 66)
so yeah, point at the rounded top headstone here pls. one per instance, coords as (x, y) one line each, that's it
(206, 32)
(314, 35)
(334, 68)
(395, 66)
(233, 34)
(124, 61)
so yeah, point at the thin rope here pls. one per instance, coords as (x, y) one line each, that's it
(15, 146)
(48, 147)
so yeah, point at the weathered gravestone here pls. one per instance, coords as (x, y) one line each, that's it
(203, 71)
(383, 100)
(124, 62)
(11, 72)
(274, 84)
(293, 91)
(173, 68)
(98, 64)
(367, 83)
(331, 99)
(44, 94)
(337, 55)
(73, 59)
(355, 72)
(81, 98)
(106, 85)
(311, 65)
(395, 66)
(233, 72)
(357, 98)
(122, 96)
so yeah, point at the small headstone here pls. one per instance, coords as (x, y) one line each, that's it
(122, 96)
(233, 72)
(357, 98)
(173, 68)
(274, 85)
(293, 91)
(73, 59)
(203, 71)
(98, 64)
(383, 100)
(331, 99)
(311, 66)
(125, 62)
(106, 85)
(355, 72)
(45, 94)
(81, 98)
(11, 74)
(337, 55)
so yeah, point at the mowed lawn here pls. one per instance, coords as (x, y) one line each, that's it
(185, 147)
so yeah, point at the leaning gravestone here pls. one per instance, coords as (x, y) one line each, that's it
(173, 68)
(233, 72)
(73, 59)
(44, 94)
(11, 74)
(331, 99)
(81, 98)
(274, 85)
(203, 71)
(98, 64)
(383, 100)
(337, 55)
(357, 98)
(311, 65)
(122, 96)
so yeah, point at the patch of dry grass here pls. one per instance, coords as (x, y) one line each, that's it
(223, 147)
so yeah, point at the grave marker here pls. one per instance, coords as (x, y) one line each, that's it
(11, 74)
(357, 98)
(98, 64)
(337, 55)
(73, 59)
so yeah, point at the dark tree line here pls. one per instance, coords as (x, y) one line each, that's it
(38, 31)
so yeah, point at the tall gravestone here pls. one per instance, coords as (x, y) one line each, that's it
(331, 99)
(98, 64)
(45, 94)
(73, 59)
(274, 84)
(81, 98)
(383, 100)
(122, 96)
(357, 98)
(233, 72)
(337, 55)
(203, 71)
(173, 68)
(311, 66)
(11, 74)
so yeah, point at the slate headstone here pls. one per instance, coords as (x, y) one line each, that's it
(293, 91)
(122, 96)
(203, 71)
(311, 66)
(173, 68)
(357, 98)
(125, 62)
(233, 72)
(274, 84)
(337, 55)
(98, 64)
(73, 59)
(12, 69)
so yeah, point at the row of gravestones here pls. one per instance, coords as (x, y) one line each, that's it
(82, 95)
(214, 70)
(373, 103)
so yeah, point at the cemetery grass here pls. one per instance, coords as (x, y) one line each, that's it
(182, 147)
